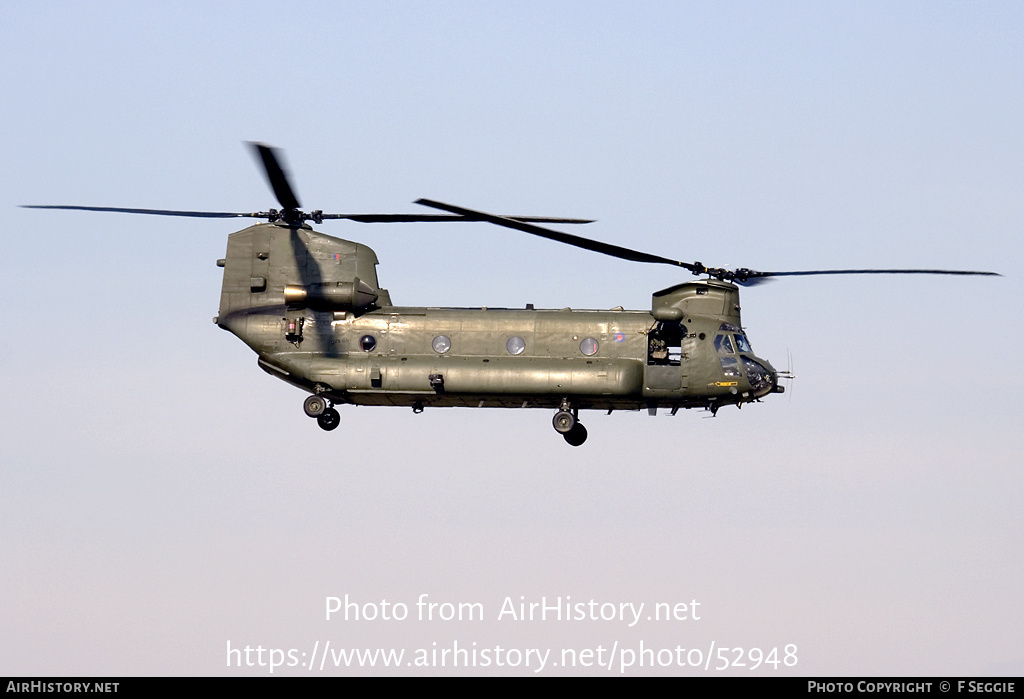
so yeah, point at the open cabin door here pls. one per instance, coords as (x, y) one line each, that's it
(665, 370)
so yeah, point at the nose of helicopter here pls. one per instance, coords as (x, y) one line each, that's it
(763, 377)
(776, 387)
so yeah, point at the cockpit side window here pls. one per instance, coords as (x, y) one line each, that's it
(730, 367)
(724, 345)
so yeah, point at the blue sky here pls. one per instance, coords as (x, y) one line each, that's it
(160, 496)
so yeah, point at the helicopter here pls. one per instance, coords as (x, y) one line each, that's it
(311, 308)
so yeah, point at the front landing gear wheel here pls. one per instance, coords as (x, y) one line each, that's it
(328, 419)
(576, 436)
(314, 406)
(564, 422)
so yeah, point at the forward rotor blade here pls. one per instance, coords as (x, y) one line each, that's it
(567, 238)
(752, 281)
(156, 212)
(744, 276)
(753, 277)
(276, 175)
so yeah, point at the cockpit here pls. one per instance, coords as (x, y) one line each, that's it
(733, 350)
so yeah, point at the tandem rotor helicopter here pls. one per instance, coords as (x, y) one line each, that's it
(311, 308)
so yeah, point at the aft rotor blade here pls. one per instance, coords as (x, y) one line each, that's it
(277, 176)
(362, 218)
(442, 218)
(567, 238)
(156, 212)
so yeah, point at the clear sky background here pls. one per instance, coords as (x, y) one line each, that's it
(162, 497)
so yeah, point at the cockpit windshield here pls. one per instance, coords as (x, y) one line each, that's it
(741, 342)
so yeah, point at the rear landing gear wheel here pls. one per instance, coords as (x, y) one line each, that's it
(314, 406)
(564, 422)
(328, 419)
(576, 436)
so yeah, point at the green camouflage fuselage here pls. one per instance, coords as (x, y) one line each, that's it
(310, 306)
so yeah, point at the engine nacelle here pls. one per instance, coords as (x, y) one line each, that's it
(355, 295)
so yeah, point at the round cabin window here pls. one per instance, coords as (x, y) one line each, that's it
(589, 346)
